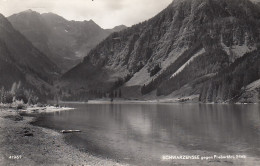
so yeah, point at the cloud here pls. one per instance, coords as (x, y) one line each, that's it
(106, 13)
(114, 4)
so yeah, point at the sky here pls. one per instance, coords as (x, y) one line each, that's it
(106, 13)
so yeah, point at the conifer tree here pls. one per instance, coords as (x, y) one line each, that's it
(120, 93)
(3, 95)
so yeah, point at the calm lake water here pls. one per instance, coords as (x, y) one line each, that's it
(141, 133)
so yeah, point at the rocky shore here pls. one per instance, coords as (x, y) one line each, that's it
(24, 144)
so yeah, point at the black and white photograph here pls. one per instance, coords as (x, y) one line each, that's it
(129, 82)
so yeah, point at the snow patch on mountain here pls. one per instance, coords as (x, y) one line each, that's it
(189, 61)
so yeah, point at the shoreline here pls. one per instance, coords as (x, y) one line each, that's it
(147, 102)
(25, 144)
(48, 109)
(48, 146)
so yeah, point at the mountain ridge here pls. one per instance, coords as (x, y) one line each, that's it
(146, 55)
(64, 42)
(22, 62)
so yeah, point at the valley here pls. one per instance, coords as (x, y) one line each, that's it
(191, 48)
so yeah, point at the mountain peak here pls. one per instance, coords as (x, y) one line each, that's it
(51, 14)
(29, 11)
(119, 28)
(91, 21)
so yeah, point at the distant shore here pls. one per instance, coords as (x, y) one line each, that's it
(24, 144)
(190, 99)
(152, 101)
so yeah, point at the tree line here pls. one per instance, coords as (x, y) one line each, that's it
(229, 84)
(17, 93)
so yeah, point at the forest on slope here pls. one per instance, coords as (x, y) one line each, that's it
(188, 44)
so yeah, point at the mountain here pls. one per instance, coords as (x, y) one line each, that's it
(189, 49)
(21, 62)
(117, 28)
(64, 42)
(257, 2)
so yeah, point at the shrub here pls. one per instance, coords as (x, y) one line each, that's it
(20, 106)
(21, 96)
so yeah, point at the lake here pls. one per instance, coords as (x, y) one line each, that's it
(141, 133)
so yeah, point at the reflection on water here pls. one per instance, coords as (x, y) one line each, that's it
(142, 133)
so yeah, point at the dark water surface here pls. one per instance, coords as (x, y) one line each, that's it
(141, 133)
